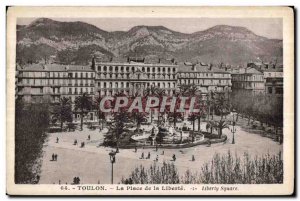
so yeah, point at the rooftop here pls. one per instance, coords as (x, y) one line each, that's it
(200, 67)
(53, 67)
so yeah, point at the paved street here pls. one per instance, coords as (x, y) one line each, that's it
(92, 163)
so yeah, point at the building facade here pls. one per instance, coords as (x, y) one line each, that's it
(207, 78)
(274, 81)
(37, 83)
(133, 77)
(248, 80)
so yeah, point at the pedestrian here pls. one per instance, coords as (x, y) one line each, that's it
(142, 156)
(57, 139)
(37, 178)
(53, 157)
(59, 182)
(193, 158)
(89, 137)
(163, 153)
(82, 144)
(156, 158)
(148, 157)
(174, 157)
(208, 143)
(135, 149)
(75, 142)
(74, 180)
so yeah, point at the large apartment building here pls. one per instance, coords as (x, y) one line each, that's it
(248, 80)
(133, 76)
(39, 82)
(274, 81)
(206, 77)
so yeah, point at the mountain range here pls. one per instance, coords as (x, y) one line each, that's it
(77, 42)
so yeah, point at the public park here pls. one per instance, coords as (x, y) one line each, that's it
(229, 140)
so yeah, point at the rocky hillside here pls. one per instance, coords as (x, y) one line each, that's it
(76, 42)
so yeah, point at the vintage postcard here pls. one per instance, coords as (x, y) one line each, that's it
(150, 101)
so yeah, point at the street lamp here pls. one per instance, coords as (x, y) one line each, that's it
(233, 130)
(112, 157)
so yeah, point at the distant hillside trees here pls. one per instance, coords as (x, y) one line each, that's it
(81, 56)
(34, 53)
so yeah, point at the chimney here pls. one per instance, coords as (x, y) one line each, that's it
(93, 63)
(173, 60)
(193, 67)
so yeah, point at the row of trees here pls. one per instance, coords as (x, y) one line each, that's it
(267, 109)
(31, 123)
(222, 169)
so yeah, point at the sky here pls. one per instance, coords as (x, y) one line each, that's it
(267, 27)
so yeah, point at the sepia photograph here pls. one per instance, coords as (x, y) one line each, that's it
(160, 104)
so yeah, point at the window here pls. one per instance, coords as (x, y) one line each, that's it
(270, 90)
(279, 90)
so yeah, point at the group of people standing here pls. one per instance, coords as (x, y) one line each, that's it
(54, 157)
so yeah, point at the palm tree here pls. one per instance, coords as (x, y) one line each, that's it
(184, 89)
(63, 111)
(193, 118)
(96, 105)
(160, 93)
(220, 125)
(120, 118)
(83, 103)
(210, 125)
(221, 104)
(211, 104)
